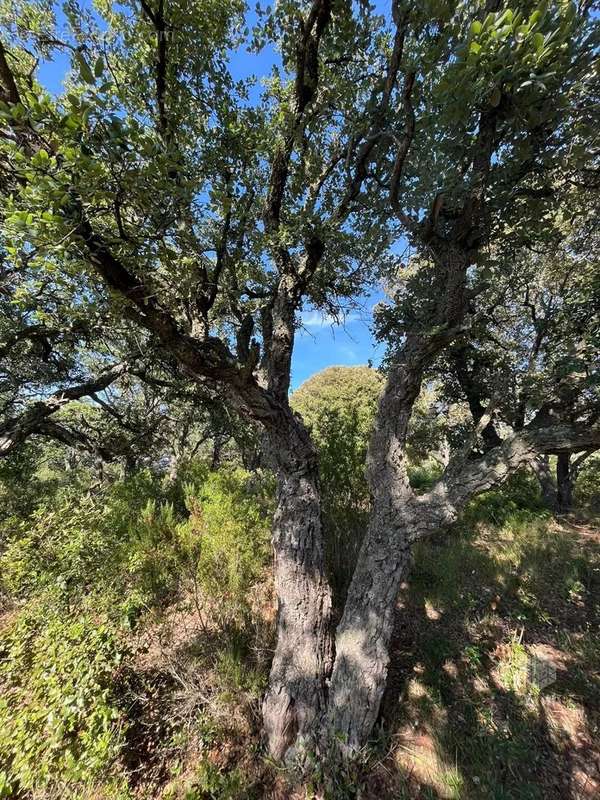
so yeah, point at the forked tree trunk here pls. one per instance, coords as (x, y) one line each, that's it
(363, 635)
(302, 659)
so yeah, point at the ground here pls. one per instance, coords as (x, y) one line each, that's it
(466, 722)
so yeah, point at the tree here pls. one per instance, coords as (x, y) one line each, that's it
(204, 221)
(158, 191)
(483, 145)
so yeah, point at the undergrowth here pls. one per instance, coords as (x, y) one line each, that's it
(137, 630)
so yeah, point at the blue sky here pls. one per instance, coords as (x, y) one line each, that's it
(321, 341)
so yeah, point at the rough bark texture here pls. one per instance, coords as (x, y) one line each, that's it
(363, 635)
(302, 658)
(564, 483)
(399, 519)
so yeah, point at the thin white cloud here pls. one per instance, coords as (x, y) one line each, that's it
(317, 319)
(348, 353)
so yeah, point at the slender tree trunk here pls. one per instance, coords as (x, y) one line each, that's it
(564, 483)
(302, 658)
(216, 453)
(363, 635)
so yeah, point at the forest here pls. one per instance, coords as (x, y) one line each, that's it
(235, 565)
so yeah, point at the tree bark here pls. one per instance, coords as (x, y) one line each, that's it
(302, 658)
(564, 483)
(397, 519)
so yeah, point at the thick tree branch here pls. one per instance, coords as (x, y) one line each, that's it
(16, 430)
(10, 91)
(305, 88)
(499, 463)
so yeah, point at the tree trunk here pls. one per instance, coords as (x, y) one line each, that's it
(302, 658)
(541, 467)
(216, 453)
(564, 483)
(363, 635)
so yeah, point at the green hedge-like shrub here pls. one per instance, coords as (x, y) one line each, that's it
(59, 723)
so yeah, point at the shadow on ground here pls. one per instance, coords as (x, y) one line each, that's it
(459, 716)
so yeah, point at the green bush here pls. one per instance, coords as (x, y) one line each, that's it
(154, 561)
(213, 784)
(519, 495)
(64, 549)
(83, 567)
(423, 476)
(587, 487)
(338, 406)
(228, 534)
(59, 722)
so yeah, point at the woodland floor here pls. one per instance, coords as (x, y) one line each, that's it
(460, 718)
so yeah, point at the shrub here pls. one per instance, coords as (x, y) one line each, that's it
(84, 565)
(154, 554)
(64, 548)
(58, 721)
(338, 406)
(227, 534)
(423, 476)
(587, 487)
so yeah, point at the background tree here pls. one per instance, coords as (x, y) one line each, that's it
(338, 406)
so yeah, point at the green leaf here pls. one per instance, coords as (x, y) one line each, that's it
(538, 42)
(84, 69)
(476, 27)
(99, 66)
(506, 17)
(495, 97)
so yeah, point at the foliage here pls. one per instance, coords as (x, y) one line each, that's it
(130, 541)
(59, 721)
(338, 405)
(587, 488)
(230, 518)
(84, 567)
(220, 546)
(74, 543)
(163, 219)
